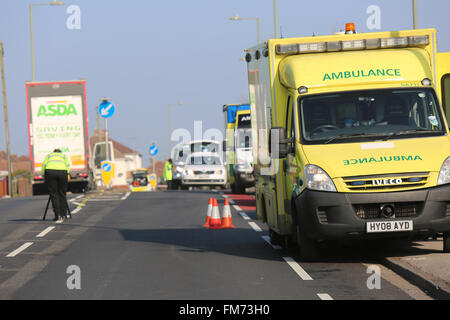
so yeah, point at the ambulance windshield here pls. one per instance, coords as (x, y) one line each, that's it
(369, 115)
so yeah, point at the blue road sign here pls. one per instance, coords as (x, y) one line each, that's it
(153, 150)
(106, 109)
(106, 167)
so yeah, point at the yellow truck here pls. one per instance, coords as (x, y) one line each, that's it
(351, 137)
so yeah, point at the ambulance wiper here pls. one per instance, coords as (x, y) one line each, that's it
(350, 136)
(412, 131)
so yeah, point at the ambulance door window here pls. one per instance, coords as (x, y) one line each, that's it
(445, 84)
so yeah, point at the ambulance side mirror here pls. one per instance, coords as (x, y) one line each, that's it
(279, 145)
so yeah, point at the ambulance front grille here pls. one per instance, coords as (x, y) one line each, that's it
(401, 210)
(387, 182)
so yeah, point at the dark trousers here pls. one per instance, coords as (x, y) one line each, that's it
(57, 187)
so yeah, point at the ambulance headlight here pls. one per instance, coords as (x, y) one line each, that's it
(444, 174)
(317, 179)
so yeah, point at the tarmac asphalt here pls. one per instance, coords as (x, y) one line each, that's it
(153, 246)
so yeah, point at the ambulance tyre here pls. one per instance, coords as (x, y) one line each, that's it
(275, 238)
(446, 239)
(308, 248)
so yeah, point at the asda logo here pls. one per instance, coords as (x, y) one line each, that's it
(53, 110)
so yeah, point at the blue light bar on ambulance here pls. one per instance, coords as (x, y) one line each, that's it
(347, 45)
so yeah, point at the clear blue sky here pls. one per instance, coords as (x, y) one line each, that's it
(146, 54)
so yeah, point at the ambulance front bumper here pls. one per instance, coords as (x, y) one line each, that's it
(333, 215)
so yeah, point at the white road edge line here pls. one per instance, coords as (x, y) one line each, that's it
(255, 226)
(297, 268)
(324, 296)
(19, 250)
(43, 233)
(126, 195)
(267, 239)
(236, 207)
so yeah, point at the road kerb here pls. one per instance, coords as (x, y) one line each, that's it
(419, 279)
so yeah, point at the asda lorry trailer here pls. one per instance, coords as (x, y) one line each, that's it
(239, 169)
(352, 138)
(57, 118)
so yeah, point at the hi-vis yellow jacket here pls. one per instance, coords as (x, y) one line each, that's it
(56, 161)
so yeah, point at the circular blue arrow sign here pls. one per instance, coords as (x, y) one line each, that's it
(106, 167)
(153, 150)
(106, 109)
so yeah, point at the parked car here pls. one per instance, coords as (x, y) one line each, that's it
(204, 169)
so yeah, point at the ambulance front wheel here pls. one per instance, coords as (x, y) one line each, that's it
(308, 249)
(446, 239)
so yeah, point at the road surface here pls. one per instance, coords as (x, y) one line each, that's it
(153, 246)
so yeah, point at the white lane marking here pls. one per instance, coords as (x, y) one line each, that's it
(104, 199)
(237, 208)
(267, 239)
(244, 215)
(77, 203)
(76, 210)
(75, 199)
(19, 250)
(324, 296)
(126, 195)
(255, 226)
(297, 268)
(43, 233)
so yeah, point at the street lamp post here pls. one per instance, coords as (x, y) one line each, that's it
(414, 7)
(5, 110)
(258, 26)
(275, 18)
(53, 3)
(169, 124)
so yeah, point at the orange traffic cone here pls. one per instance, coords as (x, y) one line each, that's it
(227, 221)
(214, 222)
(208, 213)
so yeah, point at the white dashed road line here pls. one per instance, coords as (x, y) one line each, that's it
(267, 239)
(255, 226)
(324, 296)
(244, 215)
(76, 210)
(19, 250)
(43, 233)
(297, 268)
(126, 195)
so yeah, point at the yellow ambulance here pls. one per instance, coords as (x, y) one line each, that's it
(351, 137)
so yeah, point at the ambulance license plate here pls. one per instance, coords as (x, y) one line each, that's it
(389, 226)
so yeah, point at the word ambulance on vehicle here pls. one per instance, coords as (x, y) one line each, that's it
(351, 137)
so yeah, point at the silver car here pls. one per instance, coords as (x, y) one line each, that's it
(204, 169)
